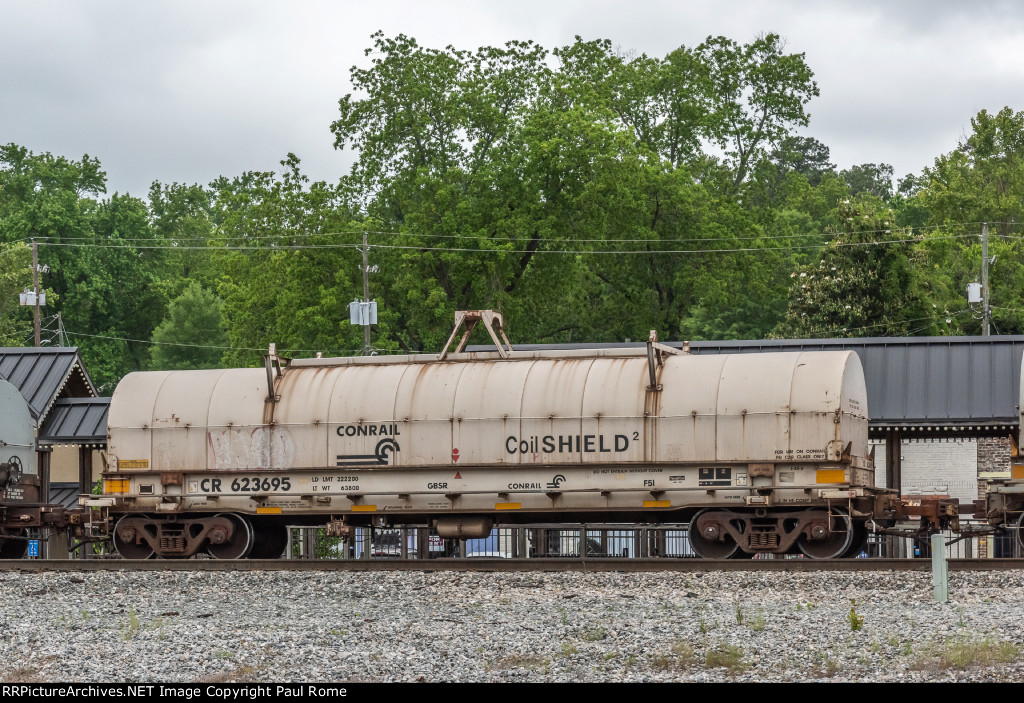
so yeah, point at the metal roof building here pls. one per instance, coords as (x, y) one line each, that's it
(44, 374)
(919, 386)
(80, 421)
(64, 410)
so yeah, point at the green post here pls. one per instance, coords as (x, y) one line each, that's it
(940, 569)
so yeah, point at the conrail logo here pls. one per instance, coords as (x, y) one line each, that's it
(563, 444)
(373, 430)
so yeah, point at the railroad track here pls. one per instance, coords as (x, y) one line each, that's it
(503, 565)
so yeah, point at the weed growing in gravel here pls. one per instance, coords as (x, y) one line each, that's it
(241, 674)
(726, 656)
(739, 613)
(704, 627)
(827, 667)
(133, 626)
(569, 649)
(876, 646)
(965, 652)
(610, 655)
(758, 622)
(594, 634)
(661, 662)
(158, 625)
(565, 616)
(22, 674)
(680, 658)
(856, 621)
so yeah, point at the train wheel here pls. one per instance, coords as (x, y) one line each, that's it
(859, 541)
(129, 543)
(828, 543)
(240, 543)
(14, 548)
(708, 539)
(269, 541)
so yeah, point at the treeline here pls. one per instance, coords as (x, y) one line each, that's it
(589, 195)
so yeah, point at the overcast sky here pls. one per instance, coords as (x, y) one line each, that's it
(187, 91)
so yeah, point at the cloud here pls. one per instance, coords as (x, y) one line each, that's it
(186, 91)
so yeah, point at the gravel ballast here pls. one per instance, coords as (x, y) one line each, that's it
(524, 627)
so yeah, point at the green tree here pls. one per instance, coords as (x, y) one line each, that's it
(556, 185)
(861, 286)
(874, 179)
(982, 180)
(758, 94)
(192, 335)
(288, 264)
(15, 277)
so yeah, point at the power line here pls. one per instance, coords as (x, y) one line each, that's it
(577, 252)
(292, 235)
(824, 330)
(340, 352)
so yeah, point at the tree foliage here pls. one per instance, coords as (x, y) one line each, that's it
(858, 288)
(15, 277)
(192, 335)
(587, 193)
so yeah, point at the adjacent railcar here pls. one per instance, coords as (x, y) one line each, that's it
(1003, 504)
(760, 453)
(20, 504)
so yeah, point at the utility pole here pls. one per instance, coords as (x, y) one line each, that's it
(364, 312)
(35, 288)
(366, 291)
(985, 311)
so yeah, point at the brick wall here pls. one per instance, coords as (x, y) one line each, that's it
(937, 467)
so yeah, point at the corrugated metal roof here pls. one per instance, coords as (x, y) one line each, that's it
(65, 494)
(921, 385)
(43, 374)
(76, 421)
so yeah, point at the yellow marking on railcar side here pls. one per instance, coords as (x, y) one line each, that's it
(831, 476)
(657, 504)
(508, 506)
(115, 485)
(133, 463)
(364, 508)
(268, 511)
(1017, 471)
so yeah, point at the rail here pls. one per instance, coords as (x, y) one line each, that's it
(598, 542)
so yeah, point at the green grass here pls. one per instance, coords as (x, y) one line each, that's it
(133, 626)
(726, 656)
(966, 652)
